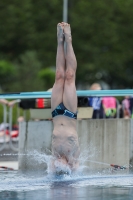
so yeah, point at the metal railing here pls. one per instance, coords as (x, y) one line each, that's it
(83, 93)
(8, 119)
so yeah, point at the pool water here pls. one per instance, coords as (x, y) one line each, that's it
(107, 184)
(17, 186)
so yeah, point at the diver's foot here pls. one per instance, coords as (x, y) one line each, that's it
(67, 32)
(60, 34)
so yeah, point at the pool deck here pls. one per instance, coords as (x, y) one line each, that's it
(9, 158)
(9, 164)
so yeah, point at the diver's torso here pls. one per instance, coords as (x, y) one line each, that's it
(64, 137)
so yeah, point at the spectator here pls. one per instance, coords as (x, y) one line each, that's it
(109, 105)
(4, 101)
(126, 107)
(95, 102)
(131, 106)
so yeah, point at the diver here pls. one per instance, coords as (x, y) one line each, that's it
(65, 144)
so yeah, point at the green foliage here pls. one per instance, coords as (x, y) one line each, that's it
(102, 39)
(48, 76)
(7, 73)
(5, 67)
(1, 113)
(27, 68)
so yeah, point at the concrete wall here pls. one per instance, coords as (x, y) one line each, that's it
(34, 136)
(104, 140)
(131, 142)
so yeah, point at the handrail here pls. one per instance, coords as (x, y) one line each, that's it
(43, 94)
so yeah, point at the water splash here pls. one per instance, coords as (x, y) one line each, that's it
(23, 182)
(46, 158)
(87, 155)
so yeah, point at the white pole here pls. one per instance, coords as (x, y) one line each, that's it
(65, 16)
(65, 10)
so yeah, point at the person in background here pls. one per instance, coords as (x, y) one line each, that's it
(109, 105)
(95, 102)
(131, 105)
(126, 105)
(4, 101)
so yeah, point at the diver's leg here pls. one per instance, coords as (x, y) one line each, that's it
(57, 91)
(69, 95)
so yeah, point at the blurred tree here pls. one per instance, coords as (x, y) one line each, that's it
(7, 73)
(29, 25)
(48, 77)
(46, 15)
(17, 27)
(102, 38)
(27, 67)
(103, 42)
